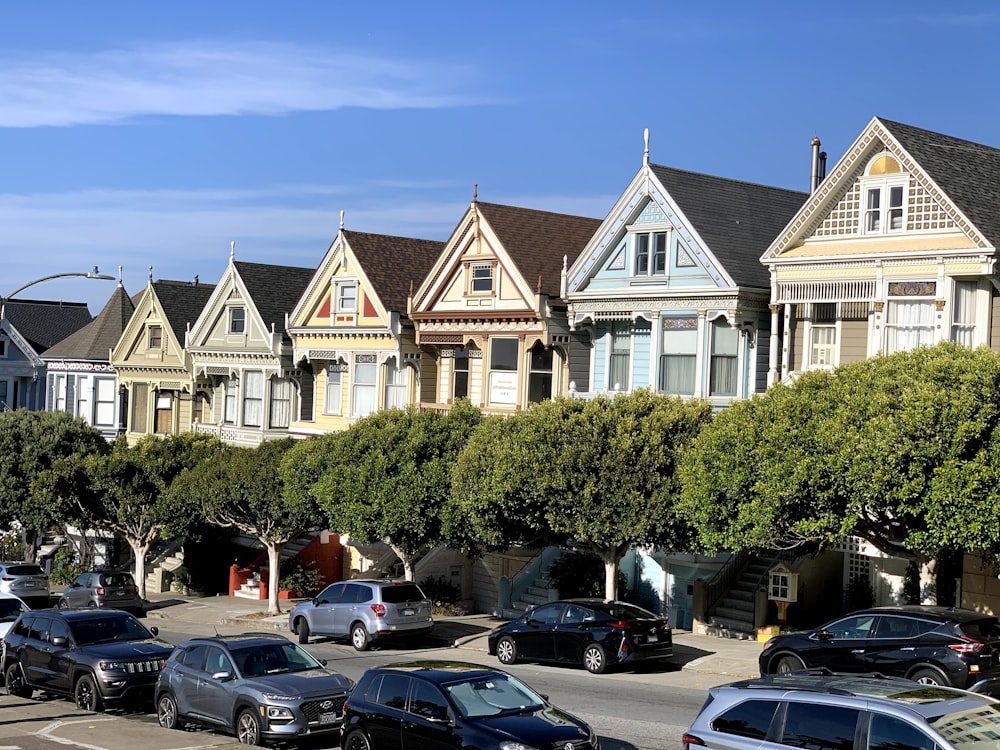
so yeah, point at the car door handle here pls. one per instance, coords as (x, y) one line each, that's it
(857, 650)
(908, 648)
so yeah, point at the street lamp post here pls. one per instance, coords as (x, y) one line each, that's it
(95, 274)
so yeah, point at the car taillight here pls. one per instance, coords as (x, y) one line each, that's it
(967, 646)
(378, 609)
(99, 591)
(690, 739)
(6, 580)
(620, 624)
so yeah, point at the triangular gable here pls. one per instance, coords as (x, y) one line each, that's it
(132, 349)
(18, 341)
(834, 210)
(645, 201)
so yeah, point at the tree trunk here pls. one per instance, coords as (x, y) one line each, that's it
(610, 557)
(139, 550)
(30, 545)
(928, 581)
(409, 561)
(273, 565)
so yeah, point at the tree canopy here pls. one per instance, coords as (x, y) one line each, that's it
(387, 478)
(900, 450)
(601, 474)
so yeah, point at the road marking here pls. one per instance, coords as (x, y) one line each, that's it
(46, 732)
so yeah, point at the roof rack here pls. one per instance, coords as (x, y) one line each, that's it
(783, 681)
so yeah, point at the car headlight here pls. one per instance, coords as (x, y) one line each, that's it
(112, 666)
(505, 745)
(279, 712)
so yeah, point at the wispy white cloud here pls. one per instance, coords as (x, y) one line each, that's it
(211, 78)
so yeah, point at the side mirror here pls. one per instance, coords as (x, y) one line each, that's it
(322, 662)
(824, 635)
(222, 676)
(59, 641)
(75, 585)
(154, 630)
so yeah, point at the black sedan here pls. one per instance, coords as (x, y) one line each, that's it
(932, 645)
(439, 704)
(595, 633)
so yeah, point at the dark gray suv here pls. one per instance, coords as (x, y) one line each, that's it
(364, 611)
(821, 710)
(258, 686)
(97, 657)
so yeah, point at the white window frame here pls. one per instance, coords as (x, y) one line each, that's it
(253, 398)
(622, 353)
(280, 405)
(364, 389)
(395, 390)
(651, 253)
(823, 355)
(159, 338)
(59, 380)
(240, 319)
(105, 409)
(925, 303)
(347, 303)
(717, 325)
(334, 385)
(670, 328)
(489, 277)
(503, 382)
(230, 400)
(965, 313)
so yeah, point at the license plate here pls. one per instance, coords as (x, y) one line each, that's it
(119, 593)
(409, 612)
(652, 638)
(328, 718)
(27, 584)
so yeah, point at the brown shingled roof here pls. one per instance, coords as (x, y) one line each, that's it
(96, 339)
(392, 263)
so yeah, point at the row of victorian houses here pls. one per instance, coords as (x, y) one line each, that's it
(692, 285)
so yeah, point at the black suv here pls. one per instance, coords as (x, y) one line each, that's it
(97, 657)
(821, 710)
(932, 645)
(258, 686)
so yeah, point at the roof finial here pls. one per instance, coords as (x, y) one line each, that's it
(341, 218)
(232, 250)
(119, 276)
(645, 140)
(150, 273)
(475, 192)
(539, 288)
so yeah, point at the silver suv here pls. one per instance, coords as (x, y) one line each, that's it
(364, 611)
(26, 580)
(821, 709)
(102, 588)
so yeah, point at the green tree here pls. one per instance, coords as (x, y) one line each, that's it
(600, 473)
(387, 478)
(30, 443)
(900, 450)
(242, 488)
(125, 491)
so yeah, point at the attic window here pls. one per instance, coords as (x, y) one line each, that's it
(650, 253)
(884, 194)
(237, 319)
(481, 278)
(155, 337)
(347, 298)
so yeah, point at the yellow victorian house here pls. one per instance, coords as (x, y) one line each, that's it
(353, 343)
(154, 369)
(491, 316)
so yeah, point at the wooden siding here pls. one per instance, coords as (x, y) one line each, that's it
(853, 341)
(642, 341)
(579, 361)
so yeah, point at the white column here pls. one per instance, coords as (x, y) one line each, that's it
(772, 353)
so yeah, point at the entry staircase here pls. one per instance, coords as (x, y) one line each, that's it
(732, 594)
(250, 588)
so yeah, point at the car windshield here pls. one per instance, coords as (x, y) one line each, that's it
(11, 608)
(492, 696)
(25, 570)
(253, 661)
(108, 630)
(407, 592)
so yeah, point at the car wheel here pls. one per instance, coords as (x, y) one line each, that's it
(92, 604)
(63, 604)
(248, 728)
(788, 664)
(302, 628)
(166, 712)
(355, 740)
(359, 637)
(16, 684)
(86, 695)
(506, 650)
(928, 676)
(594, 659)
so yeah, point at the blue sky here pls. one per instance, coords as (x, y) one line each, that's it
(136, 134)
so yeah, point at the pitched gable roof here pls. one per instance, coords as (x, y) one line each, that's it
(737, 220)
(96, 339)
(969, 173)
(537, 241)
(182, 303)
(391, 264)
(274, 290)
(42, 323)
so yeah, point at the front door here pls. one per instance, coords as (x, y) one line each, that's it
(536, 640)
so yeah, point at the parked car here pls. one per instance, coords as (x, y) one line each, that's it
(595, 633)
(11, 607)
(438, 704)
(98, 657)
(364, 611)
(100, 588)
(843, 712)
(258, 686)
(26, 580)
(932, 645)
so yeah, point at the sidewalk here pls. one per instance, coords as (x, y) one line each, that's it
(726, 657)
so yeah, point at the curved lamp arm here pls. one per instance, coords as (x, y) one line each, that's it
(95, 274)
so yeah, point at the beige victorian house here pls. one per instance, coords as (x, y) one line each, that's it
(491, 314)
(353, 344)
(241, 353)
(152, 364)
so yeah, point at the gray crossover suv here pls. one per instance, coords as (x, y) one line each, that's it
(26, 580)
(259, 686)
(821, 710)
(364, 611)
(104, 588)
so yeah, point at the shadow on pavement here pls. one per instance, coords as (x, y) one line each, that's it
(686, 654)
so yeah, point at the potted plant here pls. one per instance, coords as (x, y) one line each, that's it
(180, 580)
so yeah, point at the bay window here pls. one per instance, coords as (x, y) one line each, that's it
(503, 371)
(618, 360)
(364, 396)
(540, 374)
(395, 385)
(253, 398)
(334, 383)
(722, 377)
(678, 356)
(281, 402)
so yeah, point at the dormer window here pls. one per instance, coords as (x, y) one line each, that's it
(884, 191)
(481, 278)
(237, 319)
(650, 253)
(347, 298)
(155, 337)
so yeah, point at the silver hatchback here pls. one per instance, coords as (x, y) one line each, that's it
(99, 588)
(26, 580)
(364, 611)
